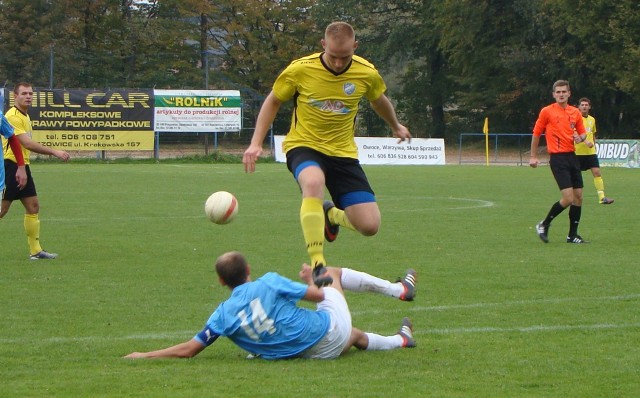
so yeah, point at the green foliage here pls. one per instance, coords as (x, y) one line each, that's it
(448, 64)
(498, 313)
(256, 40)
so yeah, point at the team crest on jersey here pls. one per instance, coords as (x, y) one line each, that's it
(349, 88)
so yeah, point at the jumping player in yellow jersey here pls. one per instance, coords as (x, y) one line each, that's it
(326, 89)
(588, 157)
(19, 119)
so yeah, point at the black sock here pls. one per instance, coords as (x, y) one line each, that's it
(574, 219)
(555, 210)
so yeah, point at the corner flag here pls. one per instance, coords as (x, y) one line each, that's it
(485, 130)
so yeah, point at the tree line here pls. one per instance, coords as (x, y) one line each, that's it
(448, 64)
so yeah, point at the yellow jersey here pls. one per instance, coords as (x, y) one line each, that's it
(21, 125)
(590, 126)
(326, 103)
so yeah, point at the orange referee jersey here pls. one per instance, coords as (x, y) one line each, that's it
(558, 125)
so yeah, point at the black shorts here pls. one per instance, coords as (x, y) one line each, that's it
(587, 162)
(566, 170)
(12, 192)
(342, 175)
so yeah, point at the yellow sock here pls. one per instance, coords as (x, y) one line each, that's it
(312, 221)
(32, 228)
(599, 184)
(338, 217)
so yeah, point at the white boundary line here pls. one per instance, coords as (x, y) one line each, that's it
(478, 203)
(486, 329)
(529, 329)
(506, 303)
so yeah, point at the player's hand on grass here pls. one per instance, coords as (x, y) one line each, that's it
(134, 355)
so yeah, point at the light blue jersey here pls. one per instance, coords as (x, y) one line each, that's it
(262, 317)
(7, 131)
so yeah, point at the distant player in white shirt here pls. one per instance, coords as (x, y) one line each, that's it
(263, 318)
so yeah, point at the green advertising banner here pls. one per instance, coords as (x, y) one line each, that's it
(618, 153)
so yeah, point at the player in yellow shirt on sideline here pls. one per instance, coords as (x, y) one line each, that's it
(21, 174)
(588, 157)
(19, 119)
(326, 89)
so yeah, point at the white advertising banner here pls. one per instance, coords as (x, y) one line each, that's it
(197, 111)
(382, 150)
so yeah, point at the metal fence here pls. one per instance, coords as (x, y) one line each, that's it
(494, 148)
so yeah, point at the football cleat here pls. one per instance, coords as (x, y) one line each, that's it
(606, 201)
(406, 332)
(321, 276)
(43, 255)
(409, 284)
(543, 231)
(576, 239)
(330, 230)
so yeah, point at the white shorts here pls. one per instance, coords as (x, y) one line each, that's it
(337, 336)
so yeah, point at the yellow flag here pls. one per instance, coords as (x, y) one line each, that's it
(485, 130)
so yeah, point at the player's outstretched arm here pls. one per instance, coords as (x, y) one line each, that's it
(188, 349)
(267, 114)
(384, 109)
(37, 147)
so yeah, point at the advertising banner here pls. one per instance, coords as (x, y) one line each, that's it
(204, 111)
(90, 120)
(382, 150)
(618, 153)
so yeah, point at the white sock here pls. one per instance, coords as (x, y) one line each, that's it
(357, 281)
(381, 343)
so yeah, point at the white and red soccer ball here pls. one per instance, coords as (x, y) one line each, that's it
(221, 207)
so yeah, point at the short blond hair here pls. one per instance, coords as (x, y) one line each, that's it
(339, 30)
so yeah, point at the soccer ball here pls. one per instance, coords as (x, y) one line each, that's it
(221, 207)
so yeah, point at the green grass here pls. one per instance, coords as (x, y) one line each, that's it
(498, 312)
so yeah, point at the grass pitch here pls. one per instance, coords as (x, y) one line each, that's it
(498, 313)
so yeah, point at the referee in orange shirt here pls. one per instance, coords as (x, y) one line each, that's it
(563, 126)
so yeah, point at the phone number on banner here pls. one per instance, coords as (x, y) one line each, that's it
(90, 141)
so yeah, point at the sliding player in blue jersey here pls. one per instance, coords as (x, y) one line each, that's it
(263, 318)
